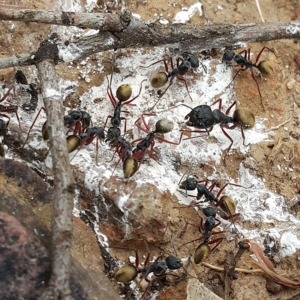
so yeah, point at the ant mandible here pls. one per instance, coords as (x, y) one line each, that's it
(159, 79)
(203, 117)
(243, 60)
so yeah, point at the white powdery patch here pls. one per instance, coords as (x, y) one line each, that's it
(133, 70)
(90, 5)
(187, 13)
(76, 211)
(259, 205)
(293, 29)
(289, 243)
(49, 93)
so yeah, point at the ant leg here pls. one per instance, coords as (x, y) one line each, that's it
(160, 96)
(228, 136)
(42, 108)
(197, 131)
(161, 60)
(186, 86)
(170, 142)
(252, 74)
(217, 242)
(109, 91)
(146, 126)
(230, 107)
(6, 94)
(129, 101)
(260, 52)
(220, 103)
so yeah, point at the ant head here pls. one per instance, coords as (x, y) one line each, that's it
(124, 92)
(190, 184)
(73, 142)
(164, 126)
(159, 80)
(126, 273)
(173, 262)
(244, 116)
(130, 166)
(194, 61)
(228, 56)
(201, 253)
(112, 134)
(265, 67)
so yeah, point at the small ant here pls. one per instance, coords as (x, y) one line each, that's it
(203, 117)
(123, 94)
(245, 63)
(206, 231)
(225, 203)
(79, 121)
(159, 268)
(133, 163)
(159, 79)
(20, 78)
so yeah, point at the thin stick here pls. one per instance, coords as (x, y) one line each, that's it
(64, 183)
(236, 269)
(259, 10)
(278, 126)
(136, 33)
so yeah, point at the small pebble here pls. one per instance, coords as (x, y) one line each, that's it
(273, 287)
(291, 83)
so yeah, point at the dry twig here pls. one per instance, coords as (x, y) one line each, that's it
(266, 265)
(125, 31)
(63, 193)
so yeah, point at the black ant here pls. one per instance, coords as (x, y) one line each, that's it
(123, 94)
(225, 203)
(76, 122)
(159, 268)
(79, 120)
(206, 231)
(20, 78)
(203, 117)
(243, 60)
(159, 79)
(133, 163)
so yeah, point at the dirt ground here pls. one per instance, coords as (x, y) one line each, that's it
(275, 161)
